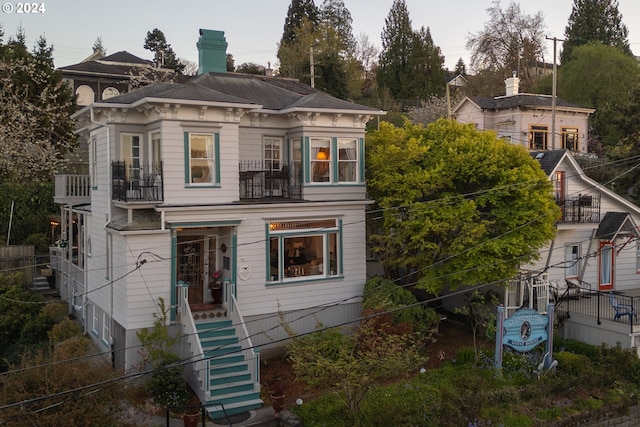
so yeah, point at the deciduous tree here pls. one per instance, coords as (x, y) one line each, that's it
(510, 41)
(458, 206)
(595, 21)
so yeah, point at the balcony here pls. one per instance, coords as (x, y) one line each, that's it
(72, 189)
(258, 182)
(136, 183)
(584, 209)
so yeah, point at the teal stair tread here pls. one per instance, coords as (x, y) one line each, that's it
(229, 368)
(227, 389)
(220, 324)
(219, 380)
(219, 352)
(225, 360)
(216, 332)
(218, 341)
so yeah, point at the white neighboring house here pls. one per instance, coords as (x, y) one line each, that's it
(527, 119)
(596, 246)
(235, 198)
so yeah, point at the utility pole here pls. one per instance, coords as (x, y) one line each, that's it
(553, 92)
(313, 77)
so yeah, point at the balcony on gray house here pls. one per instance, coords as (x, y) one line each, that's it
(72, 189)
(136, 183)
(584, 208)
(259, 180)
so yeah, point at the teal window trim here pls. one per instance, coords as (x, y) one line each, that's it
(216, 154)
(234, 261)
(334, 159)
(306, 160)
(192, 224)
(361, 159)
(216, 159)
(187, 156)
(174, 278)
(339, 244)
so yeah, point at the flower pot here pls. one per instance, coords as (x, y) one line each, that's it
(191, 420)
(216, 292)
(277, 402)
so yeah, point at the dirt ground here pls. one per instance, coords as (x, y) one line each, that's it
(451, 337)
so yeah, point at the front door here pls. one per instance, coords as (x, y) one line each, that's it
(272, 166)
(190, 265)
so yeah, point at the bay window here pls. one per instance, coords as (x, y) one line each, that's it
(303, 250)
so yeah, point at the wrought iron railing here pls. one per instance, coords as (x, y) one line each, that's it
(259, 182)
(142, 183)
(585, 208)
(605, 305)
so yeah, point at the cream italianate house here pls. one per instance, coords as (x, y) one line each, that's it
(528, 120)
(237, 199)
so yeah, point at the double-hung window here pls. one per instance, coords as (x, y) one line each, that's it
(572, 257)
(303, 250)
(538, 138)
(570, 139)
(106, 332)
(347, 160)
(605, 266)
(335, 160)
(201, 159)
(321, 159)
(95, 328)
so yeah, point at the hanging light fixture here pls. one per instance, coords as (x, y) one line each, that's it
(321, 155)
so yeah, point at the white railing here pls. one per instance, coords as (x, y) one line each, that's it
(191, 349)
(73, 186)
(528, 290)
(233, 311)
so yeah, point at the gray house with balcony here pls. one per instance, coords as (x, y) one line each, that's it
(237, 199)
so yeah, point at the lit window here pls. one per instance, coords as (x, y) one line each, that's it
(320, 159)
(303, 250)
(202, 158)
(538, 138)
(570, 139)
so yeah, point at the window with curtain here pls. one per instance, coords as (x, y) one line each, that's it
(320, 159)
(347, 160)
(201, 158)
(606, 265)
(571, 256)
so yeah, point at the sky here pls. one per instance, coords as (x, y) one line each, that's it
(253, 28)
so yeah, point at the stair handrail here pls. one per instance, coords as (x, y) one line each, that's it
(245, 339)
(192, 348)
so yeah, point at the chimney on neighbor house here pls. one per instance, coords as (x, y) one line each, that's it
(512, 85)
(212, 52)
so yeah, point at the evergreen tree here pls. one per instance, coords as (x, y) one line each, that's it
(595, 21)
(461, 68)
(98, 46)
(411, 65)
(298, 12)
(164, 56)
(335, 15)
(427, 72)
(397, 40)
(332, 76)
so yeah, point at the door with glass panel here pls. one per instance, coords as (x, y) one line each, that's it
(272, 157)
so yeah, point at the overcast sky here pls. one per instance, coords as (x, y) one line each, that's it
(253, 28)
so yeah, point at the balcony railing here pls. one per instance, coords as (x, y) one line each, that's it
(584, 208)
(136, 183)
(72, 189)
(258, 182)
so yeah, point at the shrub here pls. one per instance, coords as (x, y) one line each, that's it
(166, 383)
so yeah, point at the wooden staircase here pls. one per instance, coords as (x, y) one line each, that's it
(227, 381)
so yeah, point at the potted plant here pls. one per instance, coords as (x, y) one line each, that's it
(277, 397)
(215, 284)
(192, 413)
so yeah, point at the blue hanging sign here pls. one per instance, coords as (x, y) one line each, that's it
(525, 329)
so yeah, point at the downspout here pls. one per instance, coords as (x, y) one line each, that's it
(108, 219)
(584, 264)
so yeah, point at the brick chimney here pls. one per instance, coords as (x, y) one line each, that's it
(512, 85)
(212, 52)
